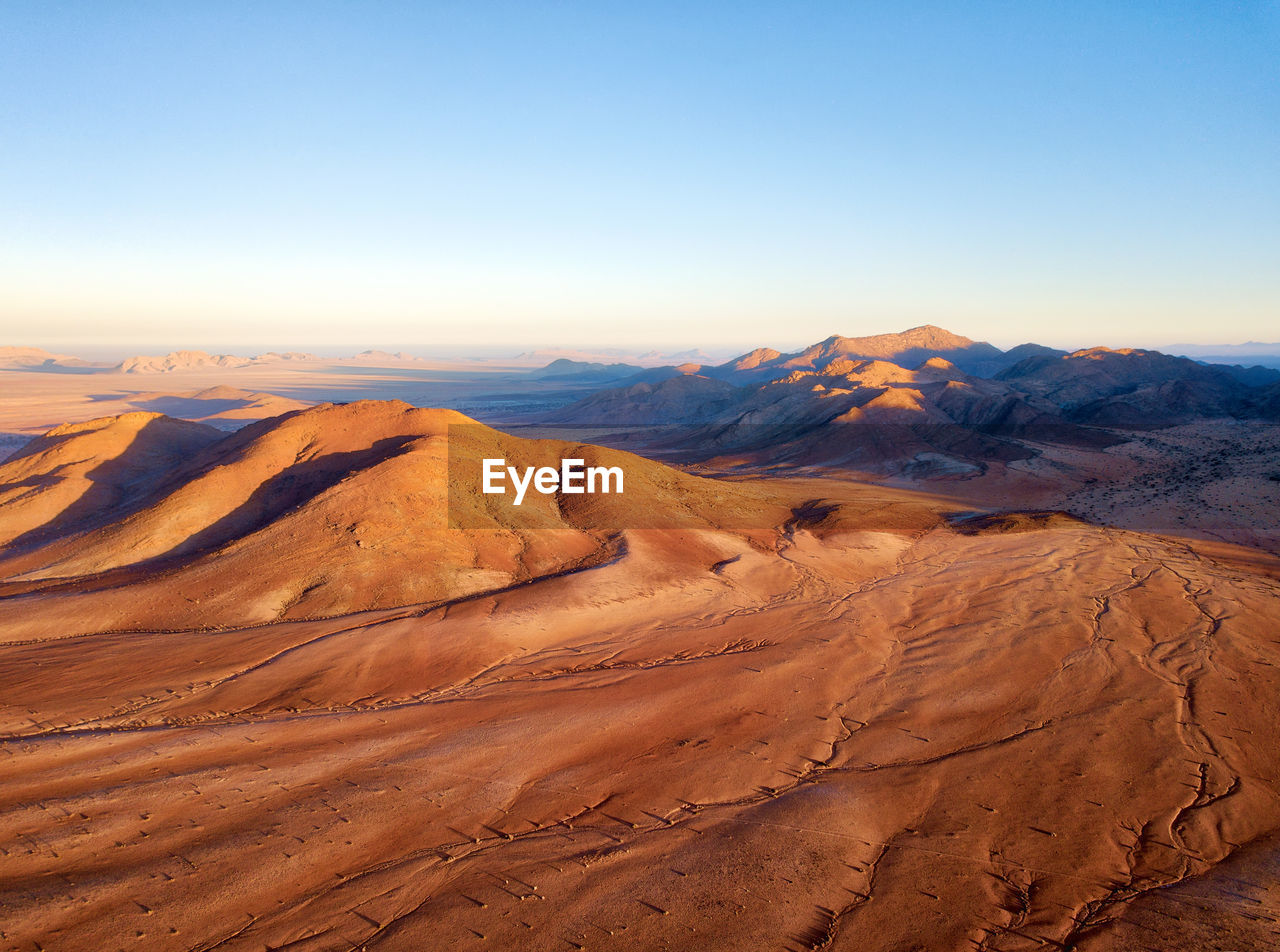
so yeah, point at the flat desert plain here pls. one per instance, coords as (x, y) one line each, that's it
(258, 695)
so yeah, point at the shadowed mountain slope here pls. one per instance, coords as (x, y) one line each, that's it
(581, 370)
(79, 475)
(221, 406)
(1135, 387)
(796, 409)
(871, 414)
(674, 400)
(328, 510)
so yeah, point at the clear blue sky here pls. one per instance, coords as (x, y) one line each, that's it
(715, 174)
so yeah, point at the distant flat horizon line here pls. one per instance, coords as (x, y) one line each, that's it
(588, 351)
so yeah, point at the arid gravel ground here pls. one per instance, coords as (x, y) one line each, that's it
(885, 720)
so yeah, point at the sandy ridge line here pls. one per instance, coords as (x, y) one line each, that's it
(91, 725)
(612, 551)
(473, 686)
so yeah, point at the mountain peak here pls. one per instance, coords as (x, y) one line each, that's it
(907, 348)
(754, 359)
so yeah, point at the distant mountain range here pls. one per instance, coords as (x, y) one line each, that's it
(178, 361)
(33, 357)
(908, 349)
(199, 360)
(925, 401)
(939, 399)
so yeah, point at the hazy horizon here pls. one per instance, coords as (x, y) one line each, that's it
(717, 352)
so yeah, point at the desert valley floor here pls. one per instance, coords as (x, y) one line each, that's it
(257, 695)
